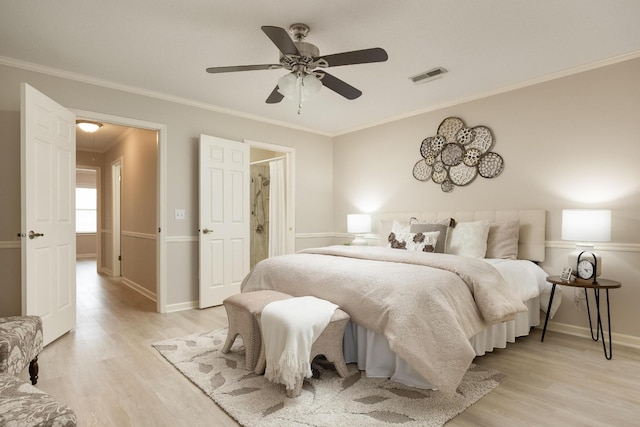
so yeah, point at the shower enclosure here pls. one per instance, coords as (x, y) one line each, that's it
(268, 205)
(259, 222)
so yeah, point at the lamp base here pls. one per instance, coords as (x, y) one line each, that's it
(358, 241)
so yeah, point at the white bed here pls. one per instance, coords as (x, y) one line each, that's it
(407, 296)
(370, 350)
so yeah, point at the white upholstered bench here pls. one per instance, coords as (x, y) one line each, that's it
(241, 310)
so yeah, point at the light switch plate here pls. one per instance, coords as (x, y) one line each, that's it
(180, 214)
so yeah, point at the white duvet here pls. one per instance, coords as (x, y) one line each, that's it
(426, 305)
(527, 280)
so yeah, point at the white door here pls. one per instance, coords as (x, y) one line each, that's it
(116, 187)
(48, 162)
(224, 218)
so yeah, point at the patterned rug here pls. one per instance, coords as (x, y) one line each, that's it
(326, 399)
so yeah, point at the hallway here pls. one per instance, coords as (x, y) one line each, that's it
(107, 371)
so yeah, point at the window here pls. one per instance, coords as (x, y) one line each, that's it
(86, 210)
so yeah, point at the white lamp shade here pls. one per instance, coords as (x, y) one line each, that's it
(287, 85)
(310, 86)
(585, 225)
(358, 223)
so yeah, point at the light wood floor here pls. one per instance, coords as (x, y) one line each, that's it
(107, 371)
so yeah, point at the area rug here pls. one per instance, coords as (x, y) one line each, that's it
(326, 399)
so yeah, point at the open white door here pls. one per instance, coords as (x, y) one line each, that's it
(224, 218)
(48, 150)
(116, 199)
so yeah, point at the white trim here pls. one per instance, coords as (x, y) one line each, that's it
(183, 239)
(579, 331)
(139, 289)
(257, 162)
(318, 235)
(8, 244)
(543, 79)
(117, 172)
(30, 66)
(181, 306)
(162, 187)
(138, 235)
(608, 247)
(290, 173)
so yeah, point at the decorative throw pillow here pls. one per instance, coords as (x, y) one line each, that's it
(469, 239)
(423, 242)
(386, 226)
(502, 241)
(426, 228)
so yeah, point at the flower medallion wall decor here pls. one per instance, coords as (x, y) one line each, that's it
(457, 154)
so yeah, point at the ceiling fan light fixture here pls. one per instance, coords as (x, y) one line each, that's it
(88, 126)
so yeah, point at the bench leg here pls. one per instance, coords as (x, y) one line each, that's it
(33, 370)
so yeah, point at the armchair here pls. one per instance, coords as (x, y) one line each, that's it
(20, 344)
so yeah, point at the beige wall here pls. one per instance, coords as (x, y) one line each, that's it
(86, 244)
(138, 153)
(567, 143)
(184, 124)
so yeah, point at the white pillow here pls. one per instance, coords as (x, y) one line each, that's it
(469, 239)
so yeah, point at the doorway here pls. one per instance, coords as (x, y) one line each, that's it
(88, 205)
(131, 157)
(272, 204)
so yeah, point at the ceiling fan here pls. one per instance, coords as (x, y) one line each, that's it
(306, 65)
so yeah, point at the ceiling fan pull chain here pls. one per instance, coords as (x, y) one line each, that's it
(300, 88)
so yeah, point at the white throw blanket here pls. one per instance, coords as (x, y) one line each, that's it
(289, 329)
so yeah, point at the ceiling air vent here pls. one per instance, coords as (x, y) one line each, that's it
(428, 75)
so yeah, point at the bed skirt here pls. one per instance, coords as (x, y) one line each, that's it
(371, 352)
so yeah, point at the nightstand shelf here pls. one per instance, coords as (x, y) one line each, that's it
(602, 284)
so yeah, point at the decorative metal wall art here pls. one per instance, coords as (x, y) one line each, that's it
(457, 154)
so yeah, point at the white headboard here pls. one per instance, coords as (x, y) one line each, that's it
(531, 244)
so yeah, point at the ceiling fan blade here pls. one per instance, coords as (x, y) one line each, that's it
(275, 96)
(216, 70)
(280, 37)
(364, 56)
(338, 86)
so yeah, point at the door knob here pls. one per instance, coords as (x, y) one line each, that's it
(33, 235)
(207, 231)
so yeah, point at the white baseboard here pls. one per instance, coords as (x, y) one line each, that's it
(579, 331)
(181, 306)
(145, 292)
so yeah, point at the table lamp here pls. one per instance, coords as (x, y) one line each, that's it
(586, 226)
(358, 223)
